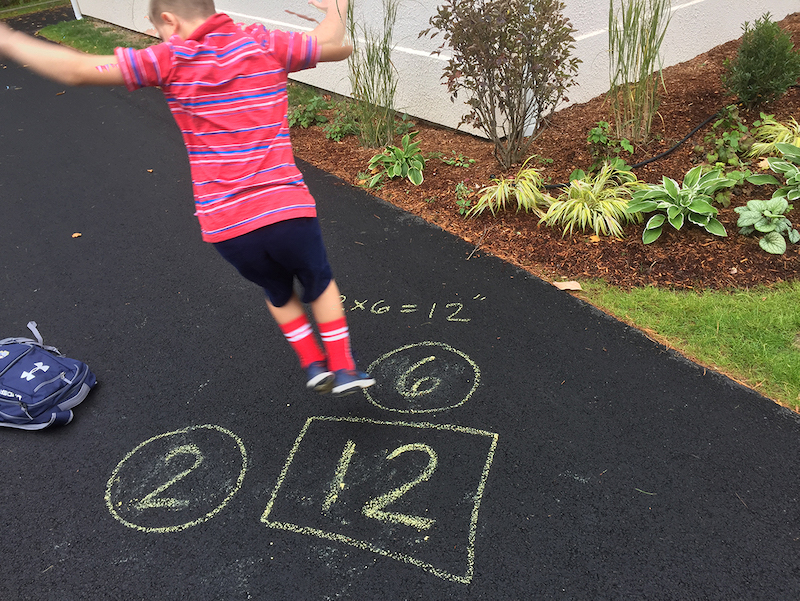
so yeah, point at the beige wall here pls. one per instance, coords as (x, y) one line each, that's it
(696, 26)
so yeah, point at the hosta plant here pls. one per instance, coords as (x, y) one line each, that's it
(595, 202)
(768, 217)
(405, 160)
(524, 191)
(678, 203)
(789, 167)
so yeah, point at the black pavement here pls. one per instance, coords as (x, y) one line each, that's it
(519, 443)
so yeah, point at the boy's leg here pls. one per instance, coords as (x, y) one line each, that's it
(329, 315)
(298, 332)
(332, 324)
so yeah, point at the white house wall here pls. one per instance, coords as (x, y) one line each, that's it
(696, 26)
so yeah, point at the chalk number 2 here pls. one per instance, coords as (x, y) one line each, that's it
(376, 507)
(152, 500)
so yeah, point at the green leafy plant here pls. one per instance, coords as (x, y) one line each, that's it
(523, 191)
(456, 159)
(343, 123)
(678, 204)
(307, 113)
(768, 217)
(405, 160)
(765, 66)
(728, 140)
(767, 133)
(788, 166)
(636, 30)
(373, 78)
(604, 146)
(464, 196)
(513, 61)
(596, 202)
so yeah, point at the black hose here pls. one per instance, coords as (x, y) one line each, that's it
(658, 156)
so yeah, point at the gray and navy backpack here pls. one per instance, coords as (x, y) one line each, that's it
(38, 385)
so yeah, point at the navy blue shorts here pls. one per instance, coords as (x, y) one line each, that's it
(274, 255)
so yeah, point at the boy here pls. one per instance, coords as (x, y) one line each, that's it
(226, 88)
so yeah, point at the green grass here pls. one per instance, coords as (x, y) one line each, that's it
(87, 36)
(16, 8)
(753, 336)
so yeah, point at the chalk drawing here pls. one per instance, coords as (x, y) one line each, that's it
(177, 480)
(374, 507)
(454, 312)
(386, 487)
(423, 377)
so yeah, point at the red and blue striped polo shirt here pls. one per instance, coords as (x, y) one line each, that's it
(226, 88)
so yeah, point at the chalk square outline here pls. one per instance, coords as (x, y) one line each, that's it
(466, 578)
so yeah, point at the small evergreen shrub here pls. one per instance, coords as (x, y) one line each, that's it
(765, 66)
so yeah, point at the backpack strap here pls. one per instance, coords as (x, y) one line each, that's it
(38, 342)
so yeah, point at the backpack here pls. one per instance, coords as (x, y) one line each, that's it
(38, 385)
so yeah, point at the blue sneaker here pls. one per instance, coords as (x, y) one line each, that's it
(320, 378)
(347, 381)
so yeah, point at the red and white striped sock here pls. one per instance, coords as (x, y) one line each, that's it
(300, 335)
(336, 338)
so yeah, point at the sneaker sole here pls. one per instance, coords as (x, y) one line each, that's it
(351, 387)
(321, 384)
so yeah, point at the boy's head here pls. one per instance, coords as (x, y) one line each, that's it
(165, 13)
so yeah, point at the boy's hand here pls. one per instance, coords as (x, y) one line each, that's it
(320, 4)
(331, 31)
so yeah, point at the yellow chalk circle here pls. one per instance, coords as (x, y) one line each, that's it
(423, 377)
(177, 480)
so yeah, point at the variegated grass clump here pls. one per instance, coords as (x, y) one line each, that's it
(768, 133)
(524, 192)
(596, 202)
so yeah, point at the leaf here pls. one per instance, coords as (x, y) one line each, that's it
(716, 228)
(703, 207)
(773, 243)
(765, 224)
(760, 180)
(672, 188)
(692, 177)
(676, 220)
(644, 206)
(415, 176)
(651, 235)
(747, 217)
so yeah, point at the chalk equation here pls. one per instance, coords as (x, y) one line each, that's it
(454, 312)
(177, 480)
(424, 377)
(381, 487)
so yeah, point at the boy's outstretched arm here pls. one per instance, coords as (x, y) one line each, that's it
(58, 63)
(331, 31)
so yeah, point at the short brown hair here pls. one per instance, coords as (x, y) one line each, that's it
(186, 9)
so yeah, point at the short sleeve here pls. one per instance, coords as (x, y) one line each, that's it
(295, 51)
(145, 68)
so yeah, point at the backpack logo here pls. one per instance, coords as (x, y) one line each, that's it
(4, 354)
(11, 395)
(30, 375)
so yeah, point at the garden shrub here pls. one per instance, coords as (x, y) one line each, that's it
(765, 66)
(512, 58)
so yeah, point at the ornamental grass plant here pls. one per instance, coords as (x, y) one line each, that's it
(636, 30)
